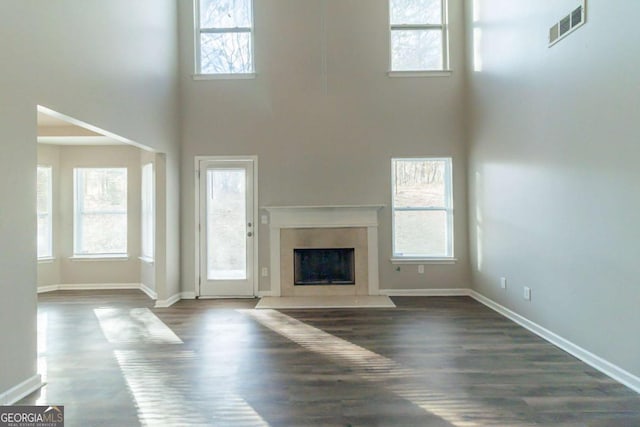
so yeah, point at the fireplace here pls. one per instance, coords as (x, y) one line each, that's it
(334, 266)
(323, 227)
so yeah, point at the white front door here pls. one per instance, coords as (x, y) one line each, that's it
(227, 227)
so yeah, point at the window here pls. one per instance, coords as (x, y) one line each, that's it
(224, 37)
(422, 208)
(419, 39)
(100, 211)
(148, 212)
(45, 216)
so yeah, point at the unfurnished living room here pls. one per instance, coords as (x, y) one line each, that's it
(319, 213)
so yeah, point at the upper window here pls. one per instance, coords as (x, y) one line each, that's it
(224, 37)
(148, 211)
(100, 211)
(45, 215)
(418, 35)
(422, 208)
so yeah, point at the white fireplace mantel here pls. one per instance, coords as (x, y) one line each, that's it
(324, 217)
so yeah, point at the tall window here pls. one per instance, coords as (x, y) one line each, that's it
(100, 211)
(422, 208)
(45, 215)
(148, 211)
(224, 36)
(419, 39)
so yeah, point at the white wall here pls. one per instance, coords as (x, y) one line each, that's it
(554, 170)
(326, 142)
(111, 64)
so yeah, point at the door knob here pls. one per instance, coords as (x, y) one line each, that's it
(249, 234)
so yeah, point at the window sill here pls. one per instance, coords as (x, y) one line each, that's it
(46, 260)
(146, 259)
(430, 260)
(101, 257)
(238, 76)
(435, 73)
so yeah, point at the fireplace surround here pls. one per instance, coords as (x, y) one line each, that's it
(323, 227)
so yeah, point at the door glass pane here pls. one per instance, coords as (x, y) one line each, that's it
(420, 233)
(226, 224)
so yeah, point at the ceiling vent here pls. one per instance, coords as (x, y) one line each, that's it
(568, 24)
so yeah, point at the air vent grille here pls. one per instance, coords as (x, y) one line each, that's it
(554, 33)
(567, 24)
(576, 17)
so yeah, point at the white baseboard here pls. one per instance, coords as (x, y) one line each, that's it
(458, 292)
(150, 292)
(21, 390)
(187, 295)
(89, 287)
(165, 303)
(99, 287)
(602, 365)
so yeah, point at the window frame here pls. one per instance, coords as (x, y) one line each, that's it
(48, 214)
(199, 75)
(449, 256)
(443, 27)
(147, 212)
(78, 211)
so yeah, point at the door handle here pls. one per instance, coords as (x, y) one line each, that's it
(249, 234)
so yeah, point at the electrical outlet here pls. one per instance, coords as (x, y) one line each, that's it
(421, 269)
(503, 282)
(265, 272)
(527, 293)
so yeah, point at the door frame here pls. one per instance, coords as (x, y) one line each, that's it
(197, 161)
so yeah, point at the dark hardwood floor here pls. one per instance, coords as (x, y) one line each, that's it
(113, 360)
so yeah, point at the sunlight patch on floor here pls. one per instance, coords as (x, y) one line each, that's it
(414, 387)
(138, 325)
(158, 394)
(162, 397)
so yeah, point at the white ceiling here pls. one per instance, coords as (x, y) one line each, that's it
(56, 131)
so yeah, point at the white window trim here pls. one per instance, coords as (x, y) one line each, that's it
(398, 258)
(199, 75)
(76, 224)
(425, 260)
(444, 27)
(100, 257)
(50, 256)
